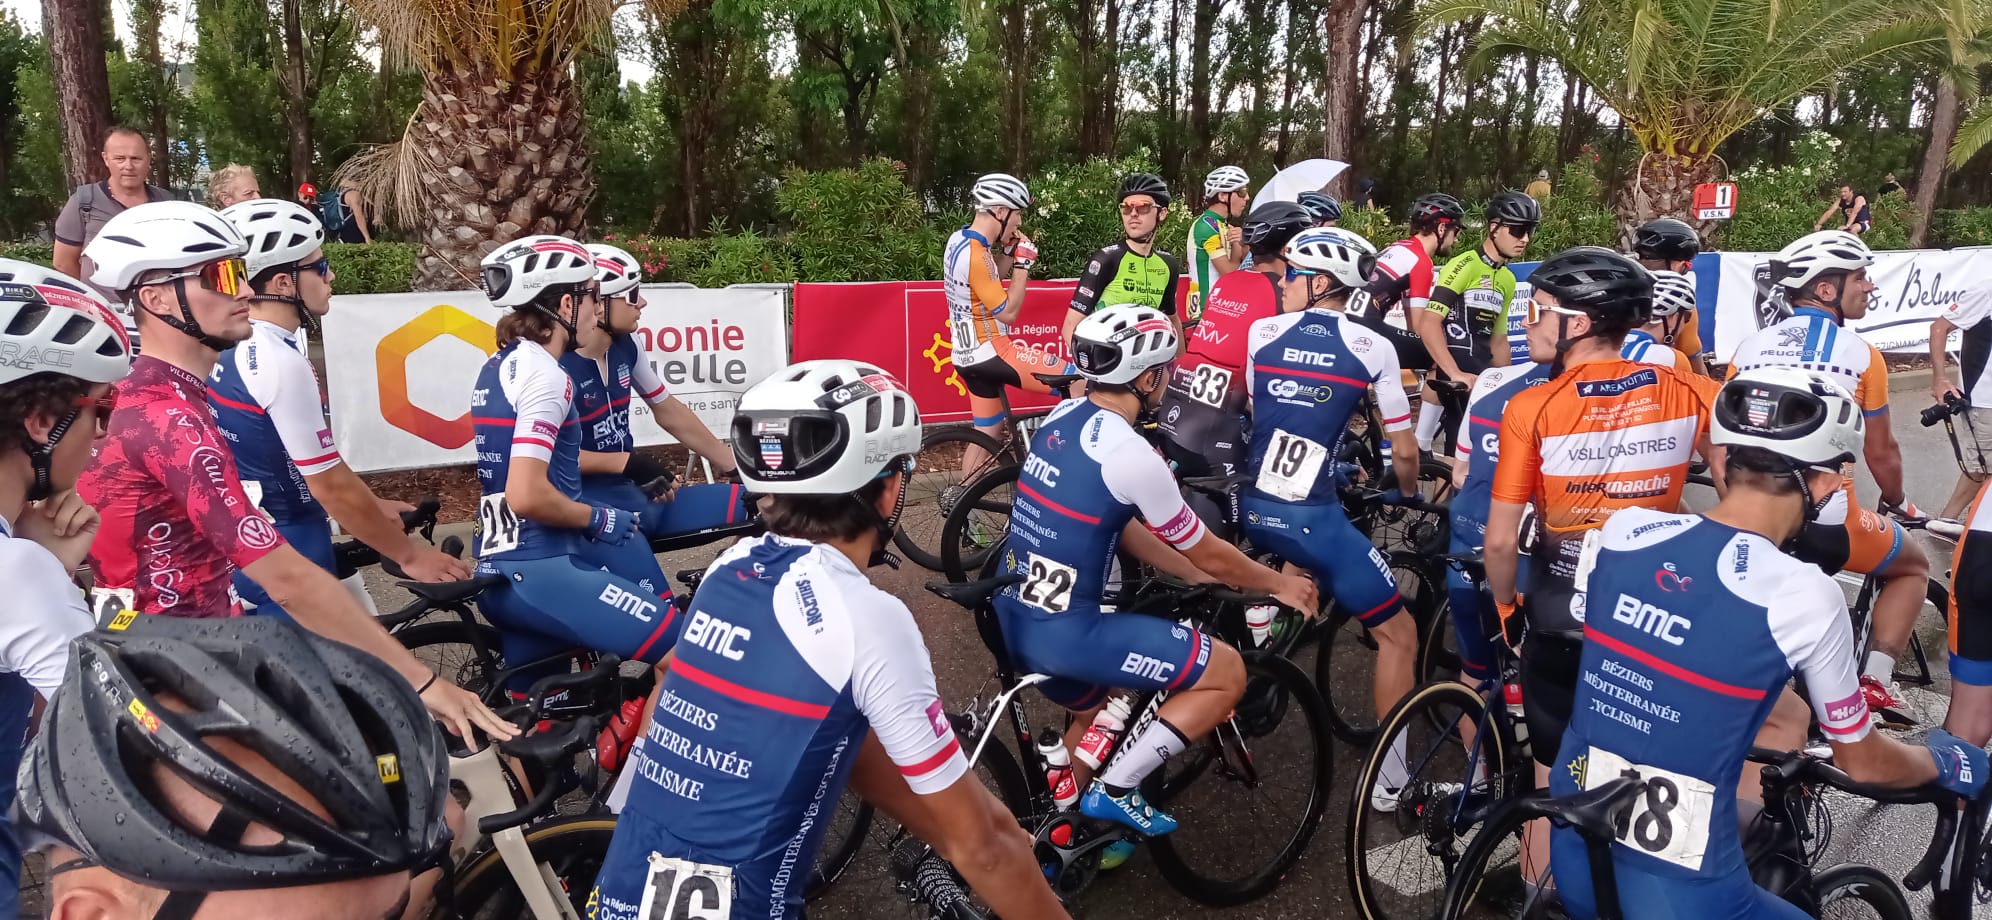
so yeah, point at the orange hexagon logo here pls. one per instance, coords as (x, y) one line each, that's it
(391, 367)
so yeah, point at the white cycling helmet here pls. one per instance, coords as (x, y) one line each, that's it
(1121, 342)
(1225, 179)
(823, 428)
(1672, 293)
(159, 236)
(52, 323)
(279, 233)
(516, 272)
(617, 270)
(1808, 257)
(1001, 190)
(1796, 414)
(1340, 254)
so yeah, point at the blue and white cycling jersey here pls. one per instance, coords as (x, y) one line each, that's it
(601, 393)
(1307, 373)
(1480, 444)
(788, 659)
(1693, 630)
(268, 403)
(523, 406)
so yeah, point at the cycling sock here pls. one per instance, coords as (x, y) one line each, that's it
(1428, 426)
(1396, 770)
(1880, 667)
(1159, 743)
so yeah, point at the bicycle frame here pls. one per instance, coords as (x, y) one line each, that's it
(493, 791)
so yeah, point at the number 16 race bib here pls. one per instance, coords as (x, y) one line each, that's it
(680, 889)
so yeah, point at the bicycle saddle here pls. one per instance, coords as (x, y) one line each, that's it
(1059, 381)
(452, 592)
(973, 594)
(1590, 812)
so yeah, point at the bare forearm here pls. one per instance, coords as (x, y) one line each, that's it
(1431, 330)
(1149, 548)
(1883, 761)
(1226, 564)
(532, 496)
(594, 463)
(1013, 306)
(1502, 551)
(1010, 881)
(349, 501)
(1887, 469)
(1939, 351)
(316, 601)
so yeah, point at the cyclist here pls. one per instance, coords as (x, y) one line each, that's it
(1326, 211)
(1132, 270)
(1970, 715)
(1697, 623)
(1850, 210)
(1089, 477)
(1826, 281)
(566, 581)
(1671, 245)
(327, 789)
(1465, 324)
(605, 365)
(1203, 413)
(1217, 246)
(1673, 302)
(268, 404)
(176, 523)
(1309, 373)
(981, 306)
(54, 401)
(1401, 285)
(797, 675)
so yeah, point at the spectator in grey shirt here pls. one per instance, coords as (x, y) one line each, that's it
(128, 157)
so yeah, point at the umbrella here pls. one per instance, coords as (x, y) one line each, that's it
(1304, 176)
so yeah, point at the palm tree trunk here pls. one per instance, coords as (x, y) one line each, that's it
(1341, 102)
(299, 94)
(1661, 186)
(1930, 179)
(492, 182)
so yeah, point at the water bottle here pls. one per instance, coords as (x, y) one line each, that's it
(1104, 733)
(1058, 769)
(1260, 618)
(1511, 694)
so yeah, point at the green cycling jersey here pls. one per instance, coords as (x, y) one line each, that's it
(1118, 275)
(1471, 296)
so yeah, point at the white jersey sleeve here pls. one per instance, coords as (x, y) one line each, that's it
(1264, 332)
(649, 385)
(892, 682)
(1386, 373)
(281, 380)
(48, 612)
(1488, 381)
(541, 395)
(1809, 619)
(1970, 308)
(1136, 475)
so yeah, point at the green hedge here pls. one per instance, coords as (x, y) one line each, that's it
(1962, 227)
(380, 268)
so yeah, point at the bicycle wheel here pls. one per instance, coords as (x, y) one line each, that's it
(1487, 859)
(451, 648)
(840, 845)
(1399, 860)
(572, 849)
(1417, 530)
(935, 486)
(912, 863)
(1856, 892)
(1250, 796)
(1345, 663)
(978, 522)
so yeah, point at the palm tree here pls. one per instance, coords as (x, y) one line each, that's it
(1684, 75)
(497, 148)
(1967, 35)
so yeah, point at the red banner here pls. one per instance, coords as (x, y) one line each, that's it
(902, 326)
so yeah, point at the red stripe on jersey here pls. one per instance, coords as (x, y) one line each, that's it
(1670, 669)
(749, 695)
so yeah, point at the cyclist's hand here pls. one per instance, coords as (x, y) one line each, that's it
(62, 523)
(1393, 496)
(612, 526)
(435, 566)
(1511, 624)
(1961, 766)
(1299, 593)
(460, 711)
(1025, 253)
(661, 489)
(393, 510)
(1234, 237)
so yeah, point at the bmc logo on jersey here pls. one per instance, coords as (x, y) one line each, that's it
(717, 636)
(1651, 620)
(1303, 356)
(1143, 666)
(635, 605)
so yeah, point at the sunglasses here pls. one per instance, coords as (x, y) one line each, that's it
(105, 405)
(1520, 231)
(1536, 310)
(223, 276)
(1137, 210)
(323, 267)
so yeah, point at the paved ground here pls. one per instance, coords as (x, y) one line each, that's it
(1888, 837)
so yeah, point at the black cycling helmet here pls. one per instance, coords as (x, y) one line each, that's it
(1321, 205)
(1666, 239)
(1436, 210)
(1149, 184)
(1514, 209)
(1268, 228)
(1613, 289)
(335, 720)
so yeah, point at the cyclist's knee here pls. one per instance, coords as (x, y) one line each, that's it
(1397, 635)
(1225, 673)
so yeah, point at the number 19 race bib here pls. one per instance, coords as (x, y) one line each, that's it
(1292, 465)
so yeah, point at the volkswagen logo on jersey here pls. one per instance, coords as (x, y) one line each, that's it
(1670, 579)
(771, 453)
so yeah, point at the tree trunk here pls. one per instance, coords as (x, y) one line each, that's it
(923, 60)
(1930, 179)
(75, 34)
(1017, 86)
(1531, 107)
(1169, 137)
(1341, 103)
(505, 160)
(1665, 187)
(812, 127)
(153, 95)
(1203, 25)
(1289, 81)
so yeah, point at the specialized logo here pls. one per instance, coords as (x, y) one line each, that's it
(1670, 579)
(391, 358)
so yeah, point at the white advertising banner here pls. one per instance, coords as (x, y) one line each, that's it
(1911, 289)
(400, 367)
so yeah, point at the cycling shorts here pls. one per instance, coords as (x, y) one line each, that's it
(1012, 366)
(312, 538)
(1549, 666)
(1205, 440)
(690, 510)
(1089, 652)
(1866, 542)
(1971, 612)
(1471, 606)
(1645, 895)
(1320, 539)
(548, 607)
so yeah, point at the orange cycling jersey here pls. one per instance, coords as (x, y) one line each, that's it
(1603, 436)
(975, 295)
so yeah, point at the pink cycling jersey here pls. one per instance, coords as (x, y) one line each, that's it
(176, 522)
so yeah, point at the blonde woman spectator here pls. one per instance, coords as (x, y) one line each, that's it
(230, 184)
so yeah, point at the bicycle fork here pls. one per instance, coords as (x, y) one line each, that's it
(492, 792)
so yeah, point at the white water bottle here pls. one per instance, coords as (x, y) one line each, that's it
(1260, 618)
(1104, 733)
(1058, 769)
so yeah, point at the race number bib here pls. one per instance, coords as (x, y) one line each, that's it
(1048, 585)
(1209, 384)
(1669, 821)
(113, 608)
(963, 332)
(1291, 466)
(497, 526)
(680, 889)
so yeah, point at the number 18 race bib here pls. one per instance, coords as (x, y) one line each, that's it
(1668, 821)
(680, 889)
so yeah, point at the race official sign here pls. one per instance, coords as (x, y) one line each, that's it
(1715, 201)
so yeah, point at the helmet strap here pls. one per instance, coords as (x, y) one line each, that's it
(573, 333)
(186, 324)
(41, 455)
(305, 318)
(884, 525)
(1812, 506)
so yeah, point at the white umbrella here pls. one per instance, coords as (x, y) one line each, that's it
(1304, 176)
